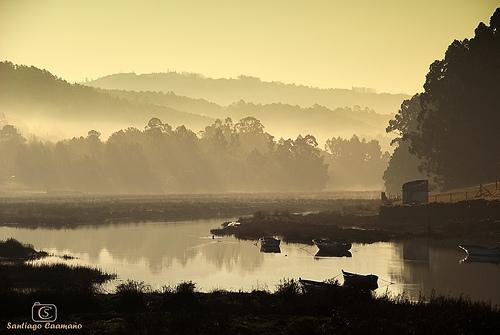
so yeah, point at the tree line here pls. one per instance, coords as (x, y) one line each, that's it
(226, 157)
(450, 132)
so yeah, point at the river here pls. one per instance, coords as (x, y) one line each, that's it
(163, 253)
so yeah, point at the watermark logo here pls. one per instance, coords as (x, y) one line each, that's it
(43, 312)
(44, 317)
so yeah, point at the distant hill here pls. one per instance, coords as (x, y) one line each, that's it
(280, 119)
(40, 103)
(43, 104)
(226, 91)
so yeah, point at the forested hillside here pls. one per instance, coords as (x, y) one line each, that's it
(42, 104)
(282, 120)
(225, 91)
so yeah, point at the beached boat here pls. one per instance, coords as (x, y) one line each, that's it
(312, 286)
(480, 251)
(329, 246)
(269, 242)
(360, 282)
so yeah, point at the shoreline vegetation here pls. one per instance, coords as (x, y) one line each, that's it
(73, 211)
(466, 221)
(135, 308)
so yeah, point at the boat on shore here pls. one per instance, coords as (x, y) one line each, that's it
(313, 286)
(327, 246)
(477, 251)
(360, 282)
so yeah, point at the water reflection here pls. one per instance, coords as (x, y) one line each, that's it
(322, 253)
(166, 253)
(481, 259)
(422, 268)
(270, 249)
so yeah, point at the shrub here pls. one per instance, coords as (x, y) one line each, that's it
(185, 288)
(131, 295)
(288, 288)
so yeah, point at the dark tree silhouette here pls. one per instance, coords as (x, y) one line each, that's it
(452, 127)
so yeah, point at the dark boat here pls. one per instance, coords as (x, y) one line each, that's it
(329, 246)
(312, 286)
(341, 253)
(360, 282)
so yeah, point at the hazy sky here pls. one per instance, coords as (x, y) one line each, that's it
(385, 44)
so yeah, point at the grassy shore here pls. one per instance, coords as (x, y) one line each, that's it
(86, 210)
(135, 309)
(471, 221)
(13, 250)
(18, 274)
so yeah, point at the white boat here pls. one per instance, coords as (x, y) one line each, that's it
(480, 251)
(269, 242)
(329, 246)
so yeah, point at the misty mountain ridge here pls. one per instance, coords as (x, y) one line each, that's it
(279, 118)
(225, 91)
(43, 104)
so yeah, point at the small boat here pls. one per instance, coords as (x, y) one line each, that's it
(480, 251)
(360, 282)
(269, 242)
(329, 246)
(312, 286)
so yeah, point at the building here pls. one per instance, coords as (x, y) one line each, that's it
(416, 192)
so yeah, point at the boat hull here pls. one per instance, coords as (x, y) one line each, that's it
(360, 282)
(332, 247)
(312, 286)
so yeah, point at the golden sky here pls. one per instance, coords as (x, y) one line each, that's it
(385, 44)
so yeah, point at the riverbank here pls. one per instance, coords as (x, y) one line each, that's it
(464, 222)
(134, 309)
(67, 212)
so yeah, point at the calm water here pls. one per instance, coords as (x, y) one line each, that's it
(167, 253)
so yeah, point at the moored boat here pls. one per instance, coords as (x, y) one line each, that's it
(312, 286)
(360, 282)
(329, 246)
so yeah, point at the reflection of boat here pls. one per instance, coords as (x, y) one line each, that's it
(329, 246)
(312, 286)
(340, 253)
(269, 242)
(270, 249)
(480, 251)
(360, 282)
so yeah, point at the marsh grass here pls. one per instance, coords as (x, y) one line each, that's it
(131, 295)
(13, 250)
(52, 277)
(182, 309)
